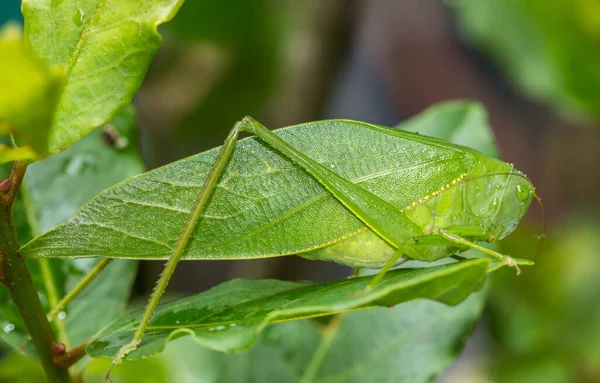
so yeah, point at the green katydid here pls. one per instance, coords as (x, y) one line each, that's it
(431, 200)
(434, 226)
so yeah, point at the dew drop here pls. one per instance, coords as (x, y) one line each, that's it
(61, 315)
(219, 328)
(9, 328)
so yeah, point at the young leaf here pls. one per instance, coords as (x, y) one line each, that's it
(28, 98)
(53, 188)
(103, 49)
(261, 195)
(230, 317)
(461, 122)
(11, 154)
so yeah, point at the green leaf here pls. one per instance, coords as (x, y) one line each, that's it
(52, 190)
(461, 122)
(264, 205)
(11, 154)
(15, 368)
(231, 316)
(28, 98)
(555, 329)
(103, 48)
(410, 343)
(81, 172)
(549, 53)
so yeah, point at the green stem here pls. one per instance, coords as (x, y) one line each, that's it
(15, 276)
(57, 307)
(50, 285)
(72, 356)
(319, 356)
(45, 267)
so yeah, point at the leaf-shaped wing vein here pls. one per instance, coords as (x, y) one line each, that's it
(323, 195)
(126, 233)
(148, 204)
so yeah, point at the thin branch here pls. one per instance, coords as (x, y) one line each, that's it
(15, 276)
(11, 185)
(66, 359)
(82, 284)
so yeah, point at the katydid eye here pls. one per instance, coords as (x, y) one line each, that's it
(523, 192)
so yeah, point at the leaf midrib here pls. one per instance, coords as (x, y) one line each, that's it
(452, 269)
(83, 36)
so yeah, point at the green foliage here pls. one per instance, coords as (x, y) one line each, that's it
(549, 50)
(15, 368)
(551, 334)
(230, 317)
(461, 122)
(103, 50)
(53, 189)
(419, 339)
(81, 64)
(247, 35)
(28, 98)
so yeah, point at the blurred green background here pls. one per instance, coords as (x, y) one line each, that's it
(534, 64)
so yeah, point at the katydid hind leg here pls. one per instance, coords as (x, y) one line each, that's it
(384, 219)
(187, 230)
(397, 257)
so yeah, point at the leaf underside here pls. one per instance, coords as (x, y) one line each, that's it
(231, 316)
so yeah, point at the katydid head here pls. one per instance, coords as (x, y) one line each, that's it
(499, 196)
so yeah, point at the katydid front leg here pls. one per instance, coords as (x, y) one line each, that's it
(505, 260)
(180, 246)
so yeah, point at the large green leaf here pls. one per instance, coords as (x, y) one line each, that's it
(53, 189)
(230, 316)
(410, 343)
(28, 98)
(264, 205)
(103, 48)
